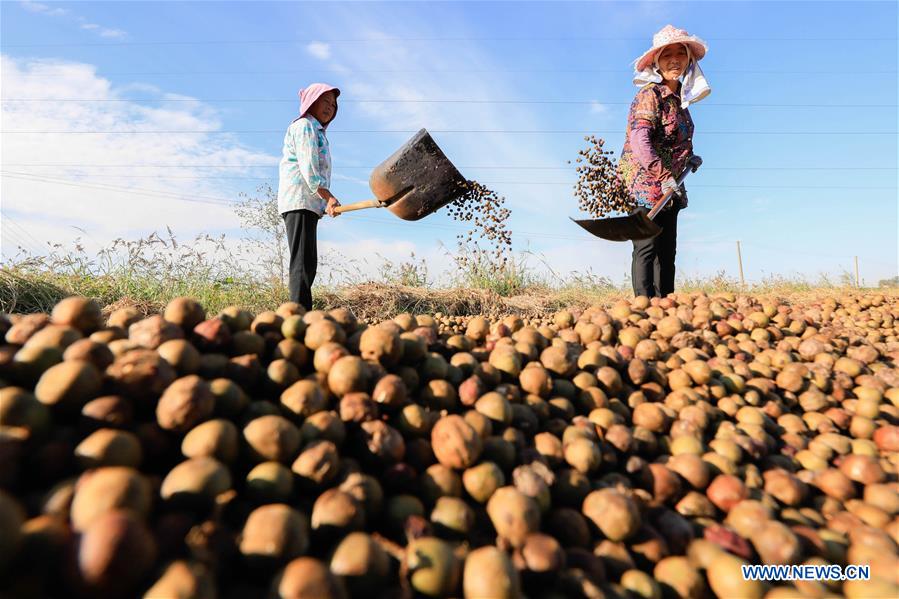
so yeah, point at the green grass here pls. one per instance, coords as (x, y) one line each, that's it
(25, 290)
(512, 276)
(149, 272)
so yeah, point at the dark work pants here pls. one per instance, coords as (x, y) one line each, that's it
(652, 263)
(301, 238)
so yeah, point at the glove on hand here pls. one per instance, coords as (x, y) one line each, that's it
(670, 185)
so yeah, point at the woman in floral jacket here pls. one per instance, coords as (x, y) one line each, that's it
(659, 146)
(304, 183)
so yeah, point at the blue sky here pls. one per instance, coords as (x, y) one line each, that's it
(805, 89)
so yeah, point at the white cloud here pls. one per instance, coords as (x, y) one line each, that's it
(47, 203)
(319, 50)
(597, 107)
(404, 110)
(44, 9)
(356, 180)
(355, 258)
(407, 74)
(761, 204)
(112, 33)
(137, 86)
(584, 255)
(37, 7)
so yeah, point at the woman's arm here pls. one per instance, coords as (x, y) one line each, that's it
(330, 198)
(310, 167)
(644, 117)
(641, 146)
(307, 158)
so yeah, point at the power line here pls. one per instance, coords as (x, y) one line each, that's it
(456, 131)
(16, 237)
(487, 167)
(273, 176)
(446, 227)
(17, 240)
(226, 202)
(22, 231)
(460, 228)
(700, 185)
(223, 201)
(76, 164)
(343, 71)
(130, 190)
(529, 39)
(167, 178)
(435, 101)
(800, 252)
(564, 183)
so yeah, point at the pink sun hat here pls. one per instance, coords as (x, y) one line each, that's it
(313, 92)
(667, 35)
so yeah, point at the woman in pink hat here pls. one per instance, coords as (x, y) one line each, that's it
(304, 185)
(658, 147)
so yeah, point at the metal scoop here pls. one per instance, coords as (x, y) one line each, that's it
(415, 181)
(633, 226)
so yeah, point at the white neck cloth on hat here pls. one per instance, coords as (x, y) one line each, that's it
(694, 86)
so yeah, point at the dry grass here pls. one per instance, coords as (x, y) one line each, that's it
(374, 301)
(148, 273)
(369, 301)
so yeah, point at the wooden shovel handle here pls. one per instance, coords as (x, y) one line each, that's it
(358, 206)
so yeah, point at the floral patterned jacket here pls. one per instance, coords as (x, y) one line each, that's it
(305, 167)
(658, 143)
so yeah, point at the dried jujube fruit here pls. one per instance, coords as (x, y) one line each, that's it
(455, 442)
(274, 534)
(514, 515)
(613, 513)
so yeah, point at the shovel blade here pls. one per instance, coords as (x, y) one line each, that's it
(621, 228)
(417, 180)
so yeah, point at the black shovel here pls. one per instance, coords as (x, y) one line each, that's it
(633, 226)
(415, 181)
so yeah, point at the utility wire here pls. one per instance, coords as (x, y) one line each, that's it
(20, 231)
(23, 230)
(227, 202)
(14, 236)
(691, 186)
(281, 131)
(435, 101)
(488, 167)
(791, 251)
(382, 222)
(406, 39)
(130, 190)
(223, 201)
(48, 73)
(274, 176)
(553, 183)
(17, 241)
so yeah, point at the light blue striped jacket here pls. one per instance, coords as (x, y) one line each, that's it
(305, 167)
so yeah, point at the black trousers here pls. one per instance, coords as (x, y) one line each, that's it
(652, 262)
(301, 238)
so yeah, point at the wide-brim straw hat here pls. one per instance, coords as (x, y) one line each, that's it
(669, 34)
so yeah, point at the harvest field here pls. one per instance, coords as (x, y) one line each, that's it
(635, 448)
(171, 426)
(470, 401)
